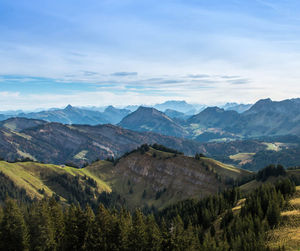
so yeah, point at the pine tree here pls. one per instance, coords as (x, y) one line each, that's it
(42, 231)
(103, 229)
(138, 234)
(13, 230)
(154, 237)
(90, 237)
(273, 214)
(71, 236)
(57, 217)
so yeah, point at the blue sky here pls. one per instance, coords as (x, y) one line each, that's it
(96, 53)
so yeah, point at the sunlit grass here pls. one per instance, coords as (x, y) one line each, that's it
(287, 235)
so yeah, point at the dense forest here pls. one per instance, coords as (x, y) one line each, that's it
(206, 224)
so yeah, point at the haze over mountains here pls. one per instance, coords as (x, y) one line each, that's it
(110, 114)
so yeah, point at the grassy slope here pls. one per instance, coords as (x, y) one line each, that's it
(227, 170)
(33, 176)
(288, 233)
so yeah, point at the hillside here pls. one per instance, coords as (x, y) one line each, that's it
(148, 177)
(80, 144)
(214, 117)
(114, 115)
(39, 180)
(175, 114)
(57, 143)
(152, 120)
(287, 235)
(160, 178)
(294, 175)
(19, 124)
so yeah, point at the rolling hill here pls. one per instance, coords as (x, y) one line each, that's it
(152, 177)
(39, 180)
(214, 117)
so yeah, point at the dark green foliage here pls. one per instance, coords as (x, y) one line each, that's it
(160, 193)
(143, 148)
(144, 194)
(198, 156)
(165, 149)
(187, 225)
(13, 230)
(110, 159)
(269, 171)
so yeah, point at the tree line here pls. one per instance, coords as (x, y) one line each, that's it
(206, 224)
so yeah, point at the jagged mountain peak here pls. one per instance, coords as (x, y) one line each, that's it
(69, 107)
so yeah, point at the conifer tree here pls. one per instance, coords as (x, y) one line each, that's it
(42, 231)
(103, 229)
(13, 230)
(57, 217)
(154, 237)
(138, 234)
(90, 237)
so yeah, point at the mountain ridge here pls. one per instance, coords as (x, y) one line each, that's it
(150, 119)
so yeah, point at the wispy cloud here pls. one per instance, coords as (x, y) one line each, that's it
(142, 51)
(124, 74)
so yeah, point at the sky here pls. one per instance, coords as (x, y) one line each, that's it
(121, 52)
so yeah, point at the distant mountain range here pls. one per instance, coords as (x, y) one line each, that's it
(102, 115)
(264, 118)
(240, 108)
(75, 115)
(180, 106)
